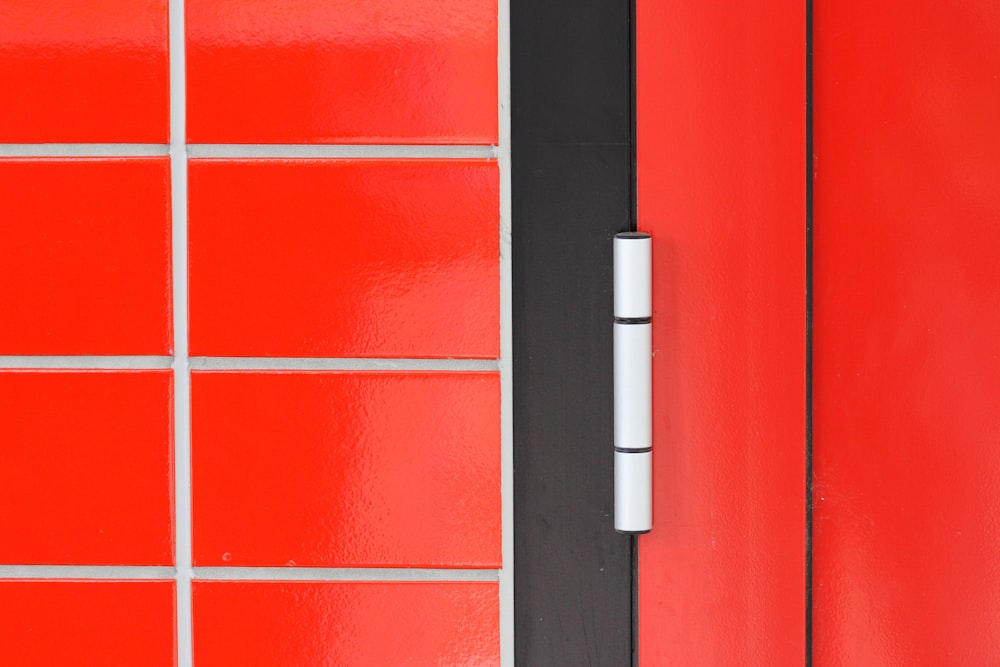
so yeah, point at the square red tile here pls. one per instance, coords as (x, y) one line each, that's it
(381, 71)
(85, 256)
(352, 258)
(290, 624)
(87, 623)
(86, 475)
(93, 71)
(341, 469)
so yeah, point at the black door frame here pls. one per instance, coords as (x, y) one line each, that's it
(573, 185)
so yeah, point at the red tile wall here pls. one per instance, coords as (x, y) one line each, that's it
(288, 624)
(303, 287)
(85, 256)
(93, 71)
(346, 258)
(87, 474)
(394, 469)
(87, 623)
(313, 71)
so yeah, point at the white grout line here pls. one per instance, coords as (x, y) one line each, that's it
(506, 342)
(85, 362)
(259, 151)
(182, 378)
(83, 150)
(247, 573)
(85, 572)
(338, 151)
(341, 574)
(279, 364)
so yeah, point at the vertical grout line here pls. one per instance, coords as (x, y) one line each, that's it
(809, 337)
(182, 385)
(506, 341)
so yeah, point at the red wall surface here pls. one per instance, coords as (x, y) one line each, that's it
(341, 303)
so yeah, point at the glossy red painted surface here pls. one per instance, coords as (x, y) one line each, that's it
(346, 469)
(87, 474)
(85, 256)
(351, 71)
(288, 624)
(93, 71)
(721, 127)
(355, 258)
(87, 623)
(907, 312)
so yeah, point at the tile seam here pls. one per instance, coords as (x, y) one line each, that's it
(254, 151)
(255, 573)
(154, 362)
(182, 387)
(506, 573)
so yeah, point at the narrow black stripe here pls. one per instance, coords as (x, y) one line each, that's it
(633, 226)
(809, 336)
(626, 450)
(633, 320)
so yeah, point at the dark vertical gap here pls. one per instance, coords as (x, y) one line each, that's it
(633, 226)
(634, 555)
(633, 192)
(809, 332)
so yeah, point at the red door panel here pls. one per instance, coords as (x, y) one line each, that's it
(907, 319)
(721, 186)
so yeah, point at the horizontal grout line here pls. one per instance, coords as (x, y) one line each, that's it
(83, 150)
(246, 573)
(84, 361)
(251, 150)
(342, 574)
(85, 572)
(337, 151)
(30, 362)
(285, 363)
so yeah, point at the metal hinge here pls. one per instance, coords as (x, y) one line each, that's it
(633, 382)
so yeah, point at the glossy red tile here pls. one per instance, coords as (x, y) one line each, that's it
(356, 258)
(288, 624)
(346, 469)
(85, 256)
(93, 71)
(382, 71)
(87, 474)
(87, 623)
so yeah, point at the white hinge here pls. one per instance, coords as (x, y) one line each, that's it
(633, 382)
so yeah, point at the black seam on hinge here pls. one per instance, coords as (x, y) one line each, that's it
(633, 320)
(809, 527)
(627, 450)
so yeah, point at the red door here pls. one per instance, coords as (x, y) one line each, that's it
(855, 365)
(907, 316)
